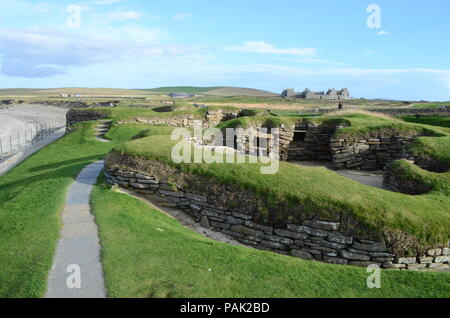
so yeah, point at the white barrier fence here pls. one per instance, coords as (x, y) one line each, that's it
(25, 138)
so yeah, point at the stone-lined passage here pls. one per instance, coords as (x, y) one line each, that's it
(312, 239)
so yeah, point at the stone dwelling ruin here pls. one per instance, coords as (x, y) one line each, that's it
(334, 238)
(331, 94)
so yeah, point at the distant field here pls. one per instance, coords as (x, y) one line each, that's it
(431, 105)
(73, 91)
(212, 91)
(183, 89)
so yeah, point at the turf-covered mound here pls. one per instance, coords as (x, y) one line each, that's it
(409, 223)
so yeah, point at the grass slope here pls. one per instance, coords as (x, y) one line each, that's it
(148, 254)
(31, 197)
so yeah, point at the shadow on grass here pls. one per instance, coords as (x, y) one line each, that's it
(64, 169)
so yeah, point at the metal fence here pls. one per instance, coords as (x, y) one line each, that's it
(25, 138)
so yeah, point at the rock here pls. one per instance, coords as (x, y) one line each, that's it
(204, 221)
(241, 216)
(196, 197)
(274, 245)
(373, 247)
(291, 234)
(216, 215)
(321, 248)
(144, 181)
(425, 260)
(195, 207)
(416, 267)
(143, 177)
(446, 251)
(438, 266)
(307, 230)
(172, 193)
(332, 245)
(353, 256)
(381, 254)
(321, 225)
(335, 260)
(407, 260)
(233, 233)
(434, 252)
(301, 254)
(339, 238)
(234, 221)
(393, 266)
(279, 239)
(247, 231)
(125, 174)
(266, 229)
(140, 185)
(442, 259)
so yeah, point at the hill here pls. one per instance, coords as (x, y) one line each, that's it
(214, 91)
(210, 91)
(72, 91)
(238, 91)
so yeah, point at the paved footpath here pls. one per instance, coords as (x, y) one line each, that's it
(77, 270)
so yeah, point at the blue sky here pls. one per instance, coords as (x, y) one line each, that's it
(250, 43)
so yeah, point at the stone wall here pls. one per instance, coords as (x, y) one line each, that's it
(399, 183)
(77, 116)
(369, 154)
(308, 238)
(311, 143)
(211, 119)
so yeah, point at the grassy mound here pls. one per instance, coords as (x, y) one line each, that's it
(315, 191)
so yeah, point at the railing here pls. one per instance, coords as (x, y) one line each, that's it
(25, 138)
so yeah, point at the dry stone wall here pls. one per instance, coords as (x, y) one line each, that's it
(311, 142)
(312, 239)
(78, 116)
(211, 119)
(369, 154)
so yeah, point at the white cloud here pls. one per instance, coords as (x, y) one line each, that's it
(181, 16)
(125, 16)
(369, 52)
(39, 52)
(383, 32)
(267, 48)
(105, 2)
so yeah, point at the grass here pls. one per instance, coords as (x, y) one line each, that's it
(183, 89)
(433, 121)
(148, 254)
(31, 197)
(430, 105)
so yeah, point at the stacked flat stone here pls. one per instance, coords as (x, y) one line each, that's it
(78, 116)
(369, 154)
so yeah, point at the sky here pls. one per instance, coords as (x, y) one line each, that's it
(378, 48)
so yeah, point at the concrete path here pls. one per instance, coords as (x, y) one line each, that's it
(77, 271)
(370, 178)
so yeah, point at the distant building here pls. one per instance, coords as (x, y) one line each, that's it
(331, 94)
